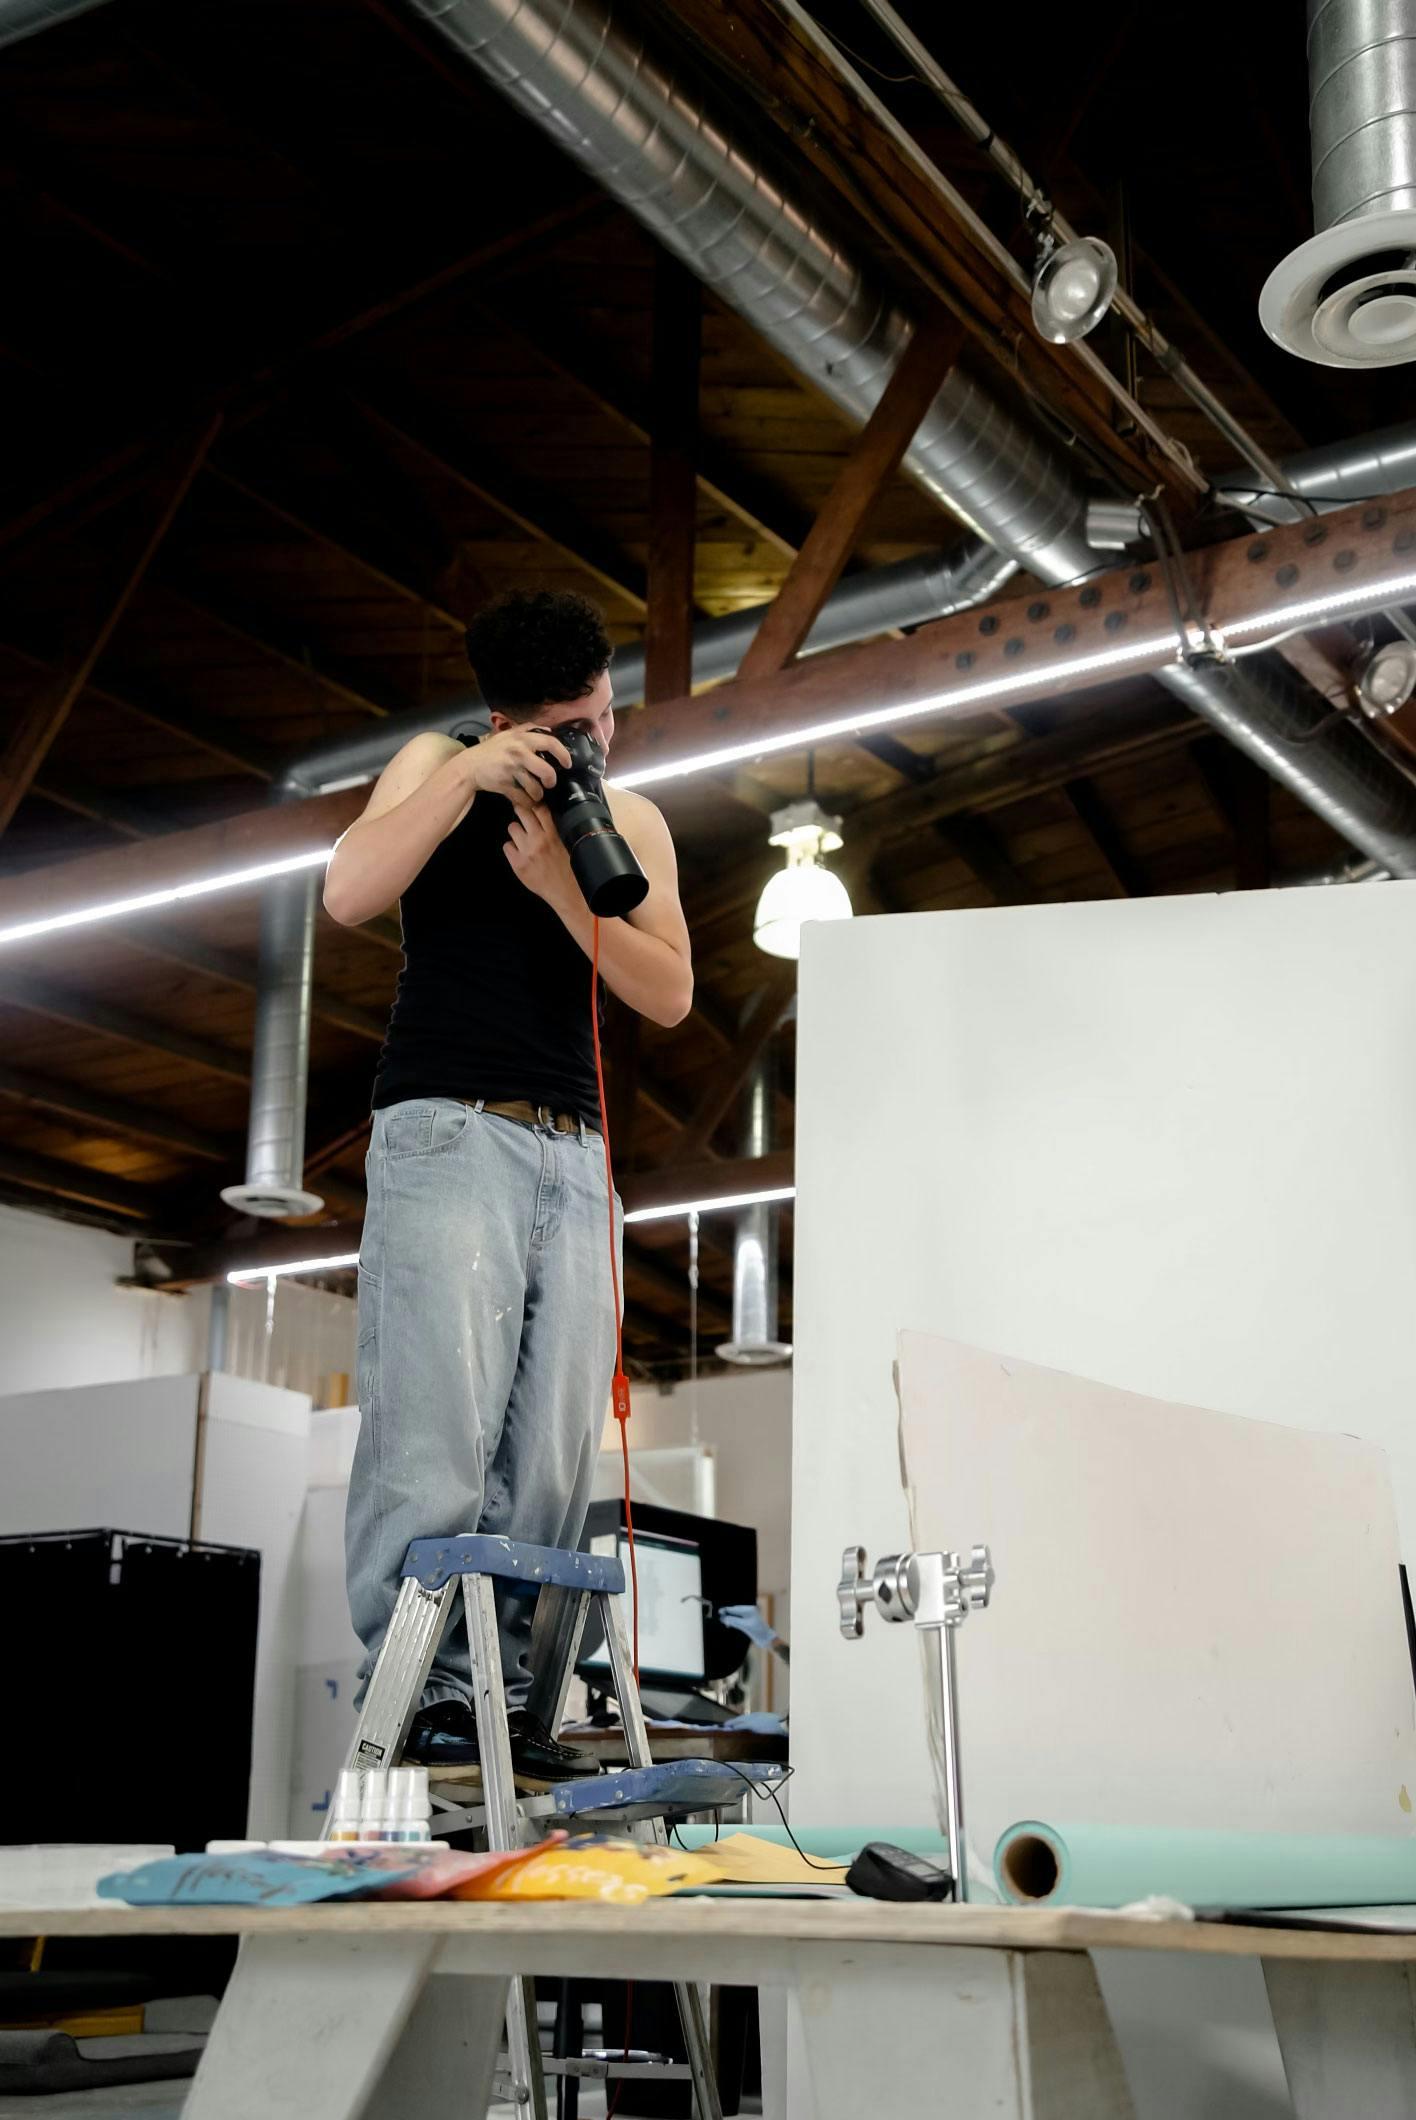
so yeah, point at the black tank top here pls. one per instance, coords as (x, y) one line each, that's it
(494, 997)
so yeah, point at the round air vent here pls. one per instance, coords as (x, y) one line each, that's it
(1347, 297)
(273, 1203)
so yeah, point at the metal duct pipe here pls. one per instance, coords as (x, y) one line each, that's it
(1362, 114)
(648, 140)
(1347, 297)
(280, 1056)
(25, 18)
(1334, 476)
(908, 593)
(755, 1343)
(1259, 707)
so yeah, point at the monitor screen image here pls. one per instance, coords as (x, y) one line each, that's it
(670, 1603)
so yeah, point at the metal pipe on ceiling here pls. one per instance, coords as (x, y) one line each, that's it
(879, 600)
(1333, 476)
(26, 18)
(701, 188)
(756, 1340)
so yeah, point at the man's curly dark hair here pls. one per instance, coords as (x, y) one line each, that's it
(536, 647)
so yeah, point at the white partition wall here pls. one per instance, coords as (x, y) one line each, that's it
(1167, 1144)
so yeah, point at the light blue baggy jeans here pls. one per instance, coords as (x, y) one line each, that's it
(486, 1350)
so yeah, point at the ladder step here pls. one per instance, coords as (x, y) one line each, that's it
(553, 2065)
(679, 1785)
(435, 1561)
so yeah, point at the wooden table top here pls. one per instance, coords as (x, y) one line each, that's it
(747, 1921)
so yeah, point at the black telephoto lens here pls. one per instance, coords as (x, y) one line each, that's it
(605, 868)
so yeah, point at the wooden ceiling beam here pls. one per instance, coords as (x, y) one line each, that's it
(222, 740)
(727, 484)
(272, 637)
(1236, 582)
(980, 847)
(641, 1265)
(243, 841)
(539, 513)
(55, 1176)
(63, 1004)
(1240, 793)
(333, 541)
(871, 462)
(1094, 815)
(1040, 646)
(417, 530)
(669, 1184)
(115, 1115)
(156, 939)
(673, 483)
(730, 1073)
(40, 721)
(249, 391)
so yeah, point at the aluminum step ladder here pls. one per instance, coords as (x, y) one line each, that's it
(564, 1585)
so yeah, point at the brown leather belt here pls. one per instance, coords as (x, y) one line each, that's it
(527, 1114)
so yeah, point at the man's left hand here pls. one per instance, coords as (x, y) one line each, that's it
(537, 853)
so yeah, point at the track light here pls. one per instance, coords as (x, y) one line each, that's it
(242, 1276)
(1388, 679)
(1073, 287)
(174, 894)
(774, 1196)
(804, 890)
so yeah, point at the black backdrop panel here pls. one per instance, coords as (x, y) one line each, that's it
(130, 1688)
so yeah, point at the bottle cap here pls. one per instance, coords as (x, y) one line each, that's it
(408, 1793)
(373, 1796)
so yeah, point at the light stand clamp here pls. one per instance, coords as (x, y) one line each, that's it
(937, 1592)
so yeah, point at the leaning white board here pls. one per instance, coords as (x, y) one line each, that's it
(1197, 1619)
(1167, 1143)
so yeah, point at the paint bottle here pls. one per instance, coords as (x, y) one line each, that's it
(373, 1808)
(409, 1807)
(346, 1809)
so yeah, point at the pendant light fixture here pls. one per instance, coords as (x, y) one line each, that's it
(805, 889)
(1073, 287)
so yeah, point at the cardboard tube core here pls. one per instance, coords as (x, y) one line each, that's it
(1031, 1868)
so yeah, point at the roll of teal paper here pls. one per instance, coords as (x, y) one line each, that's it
(1110, 1866)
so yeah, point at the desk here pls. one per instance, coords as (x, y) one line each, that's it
(334, 2011)
(706, 1741)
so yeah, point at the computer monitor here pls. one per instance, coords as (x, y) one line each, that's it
(670, 1572)
(689, 1567)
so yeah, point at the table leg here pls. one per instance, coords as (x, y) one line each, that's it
(307, 2026)
(1347, 2034)
(916, 2030)
(446, 2059)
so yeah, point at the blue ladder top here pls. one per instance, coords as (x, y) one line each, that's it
(433, 1562)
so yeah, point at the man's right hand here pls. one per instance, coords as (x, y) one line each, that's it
(519, 763)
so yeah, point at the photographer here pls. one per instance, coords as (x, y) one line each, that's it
(486, 1325)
